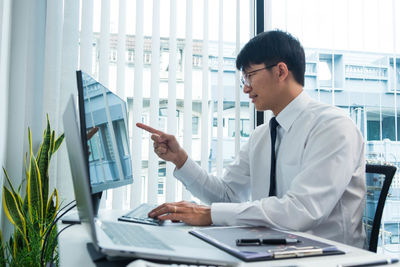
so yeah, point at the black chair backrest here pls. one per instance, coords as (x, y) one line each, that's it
(379, 179)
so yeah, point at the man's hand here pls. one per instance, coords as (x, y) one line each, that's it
(166, 146)
(187, 212)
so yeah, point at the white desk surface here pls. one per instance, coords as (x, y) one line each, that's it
(72, 247)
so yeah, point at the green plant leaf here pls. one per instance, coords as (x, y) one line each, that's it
(52, 206)
(34, 189)
(20, 243)
(20, 205)
(2, 252)
(35, 200)
(25, 205)
(15, 245)
(9, 181)
(26, 165)
(43, 161)
(13, 213)
(14, 193)
(58, 143)
(52, 142)
(31, 214)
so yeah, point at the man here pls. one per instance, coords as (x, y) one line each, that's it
(314, 178)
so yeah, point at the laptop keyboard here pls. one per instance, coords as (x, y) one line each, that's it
(139, 215)
(132, 235)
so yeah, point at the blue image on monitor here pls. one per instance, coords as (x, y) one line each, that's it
(105, 118)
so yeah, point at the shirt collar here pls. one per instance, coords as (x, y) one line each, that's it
(289, 114)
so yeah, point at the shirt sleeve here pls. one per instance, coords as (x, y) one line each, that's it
(234, 186)
(331, 157)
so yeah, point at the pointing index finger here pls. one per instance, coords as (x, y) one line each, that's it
(148, 128)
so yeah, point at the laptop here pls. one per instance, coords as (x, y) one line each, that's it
(131, 240)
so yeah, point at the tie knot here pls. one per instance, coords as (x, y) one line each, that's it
(273, 123)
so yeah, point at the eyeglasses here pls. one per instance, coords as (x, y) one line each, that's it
(245, 78)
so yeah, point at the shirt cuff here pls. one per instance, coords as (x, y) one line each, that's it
(224, 213)
(188, 173)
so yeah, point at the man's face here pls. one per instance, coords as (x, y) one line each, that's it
(262, 87)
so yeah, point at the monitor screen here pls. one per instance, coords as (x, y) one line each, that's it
(104, 124)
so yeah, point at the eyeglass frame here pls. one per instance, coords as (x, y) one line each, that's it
(245, 76)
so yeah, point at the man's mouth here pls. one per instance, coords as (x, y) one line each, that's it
(253, 97)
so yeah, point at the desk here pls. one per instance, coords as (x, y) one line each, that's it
(72, 245)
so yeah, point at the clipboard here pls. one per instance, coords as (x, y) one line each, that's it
(225, 239)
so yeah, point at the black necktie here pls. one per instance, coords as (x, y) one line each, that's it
(272, 127)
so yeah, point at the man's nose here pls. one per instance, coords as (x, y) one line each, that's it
(246, 89)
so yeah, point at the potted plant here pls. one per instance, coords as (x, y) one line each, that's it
(34, 238)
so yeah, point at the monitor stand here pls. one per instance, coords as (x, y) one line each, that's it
(73, 217)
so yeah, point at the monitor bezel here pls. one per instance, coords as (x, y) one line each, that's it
(82, 121)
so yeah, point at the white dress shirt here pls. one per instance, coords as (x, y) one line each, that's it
(320, 176)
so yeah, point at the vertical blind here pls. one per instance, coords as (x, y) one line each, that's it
(120, 193)
(237, 82)
(187, 103)
(205, 96)
(86, 37)
(5, 11)
(220, 86)
(154, 101)
(104, 42)
(177, 75)
(52, 67)
(67, 84)
(171, 184)
(137, 187)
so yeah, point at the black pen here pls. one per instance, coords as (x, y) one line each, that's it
(265, 241)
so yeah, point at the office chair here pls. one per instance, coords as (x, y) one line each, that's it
(378, 178)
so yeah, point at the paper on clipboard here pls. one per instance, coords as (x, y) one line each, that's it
(225, 237)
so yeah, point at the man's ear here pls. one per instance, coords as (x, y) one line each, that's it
(283, 71)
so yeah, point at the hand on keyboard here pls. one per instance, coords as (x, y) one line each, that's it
(139, 215)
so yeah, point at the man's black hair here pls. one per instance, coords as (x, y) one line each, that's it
(273, 47)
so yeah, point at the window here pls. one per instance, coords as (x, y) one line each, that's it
(325, 72)
(105, 135)
(195, 125)
(244, 127)
(95, 149)
(120, 132)
(350, 53)
(147, 58)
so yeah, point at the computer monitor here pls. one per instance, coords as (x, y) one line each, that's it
(103, 126)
